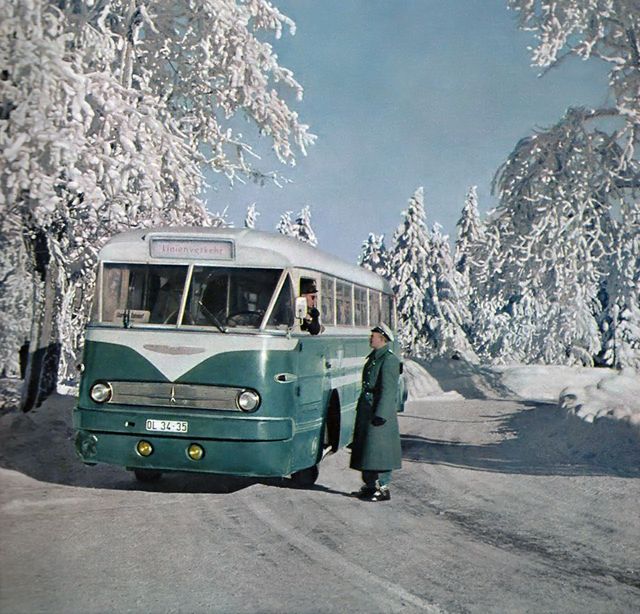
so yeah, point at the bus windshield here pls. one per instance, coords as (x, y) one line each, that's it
(215, 297)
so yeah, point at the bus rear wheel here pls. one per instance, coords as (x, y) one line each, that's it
(147, 475)
(306, 477)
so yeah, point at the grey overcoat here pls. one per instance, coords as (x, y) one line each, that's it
(377, 448)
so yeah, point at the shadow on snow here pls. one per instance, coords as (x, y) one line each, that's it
(539, 440)
(39, 444)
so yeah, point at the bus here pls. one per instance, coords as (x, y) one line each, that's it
(196, 358)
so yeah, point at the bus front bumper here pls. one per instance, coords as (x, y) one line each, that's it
(243, 445)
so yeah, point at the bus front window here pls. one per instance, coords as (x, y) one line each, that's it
(227, 297)
(140, 293)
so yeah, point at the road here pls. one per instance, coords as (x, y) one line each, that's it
(495, 510)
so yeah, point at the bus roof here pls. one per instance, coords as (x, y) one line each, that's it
(249, 248)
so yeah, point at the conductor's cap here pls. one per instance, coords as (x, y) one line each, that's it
(384, 330)
(308, 286)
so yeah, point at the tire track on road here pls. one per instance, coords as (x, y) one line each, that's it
(395, 596)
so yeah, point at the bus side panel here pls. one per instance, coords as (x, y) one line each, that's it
(312, 400)
(326, 364)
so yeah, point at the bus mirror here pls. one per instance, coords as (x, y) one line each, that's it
(301, 307)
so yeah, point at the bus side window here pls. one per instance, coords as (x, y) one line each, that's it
(343, 303)
(327, 296)
(283, 309)
(387, 316)
(360, 305)
(375, 311)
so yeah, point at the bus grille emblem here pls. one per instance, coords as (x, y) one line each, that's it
(172, 400)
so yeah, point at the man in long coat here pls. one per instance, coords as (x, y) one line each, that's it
(376, 439)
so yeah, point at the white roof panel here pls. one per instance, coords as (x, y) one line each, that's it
(251, 248)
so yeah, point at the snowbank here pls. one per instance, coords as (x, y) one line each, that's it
(617, 396)
(421, 385)
(589, 393)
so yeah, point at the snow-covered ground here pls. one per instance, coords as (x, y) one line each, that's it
(505, 503)
(589, 393)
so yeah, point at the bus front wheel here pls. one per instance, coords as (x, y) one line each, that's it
(306, 477)
(147, 475)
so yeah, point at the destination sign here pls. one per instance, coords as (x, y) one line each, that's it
(196, 249)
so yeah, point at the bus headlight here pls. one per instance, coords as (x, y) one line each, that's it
(101, 392)
(248, 400)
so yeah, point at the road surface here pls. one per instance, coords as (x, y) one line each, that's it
(501, 506)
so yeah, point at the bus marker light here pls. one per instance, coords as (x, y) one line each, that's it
(248, 400)
(144, 448)
(195, 452)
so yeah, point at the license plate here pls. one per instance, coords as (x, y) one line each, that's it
(167, 426)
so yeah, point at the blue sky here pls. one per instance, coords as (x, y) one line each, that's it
(405, 93)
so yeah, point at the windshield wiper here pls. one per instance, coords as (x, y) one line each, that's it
(212, 317)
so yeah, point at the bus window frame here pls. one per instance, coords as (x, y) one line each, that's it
(274, 299)
(185, 297)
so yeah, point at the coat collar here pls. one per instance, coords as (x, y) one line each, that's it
(375, 354)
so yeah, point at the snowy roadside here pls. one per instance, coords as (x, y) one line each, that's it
(589, 393)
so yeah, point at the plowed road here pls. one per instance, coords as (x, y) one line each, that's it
(492, 512)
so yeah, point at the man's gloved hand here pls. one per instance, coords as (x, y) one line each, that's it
(377, 421)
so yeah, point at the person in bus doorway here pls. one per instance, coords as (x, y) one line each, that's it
(311, 322)
(376, 439)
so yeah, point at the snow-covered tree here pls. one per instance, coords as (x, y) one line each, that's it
(446, 314)
(487, 300)
(408, 272)
(558, 187)
(285, 225)
(374, 255)
(469, 230)
(608, 30)
(621, 322)
(554, 233)
(302, 229)
(251, 217)
(16, 300)
(470, 233)
(107, 108)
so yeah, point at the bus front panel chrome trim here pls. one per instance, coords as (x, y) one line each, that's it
(166, 394)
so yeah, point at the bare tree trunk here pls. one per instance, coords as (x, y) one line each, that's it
(44, 348)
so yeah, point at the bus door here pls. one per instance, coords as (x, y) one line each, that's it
(312, 390)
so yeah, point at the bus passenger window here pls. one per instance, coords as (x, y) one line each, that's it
(386, 315)
(360, 306)
(375, 308)
(343, 303)
(283, 315)
(327, 297)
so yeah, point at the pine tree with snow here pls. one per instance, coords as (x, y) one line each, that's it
(374, 256)
(487, 300)
(408, 272)
(446, 314)
(106, 110)
(251, 217)
(469, 230)
(621, 323)
(302, 229)
(285, 225)
(470, 233)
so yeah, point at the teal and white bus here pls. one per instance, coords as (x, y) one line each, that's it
(195, 359)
